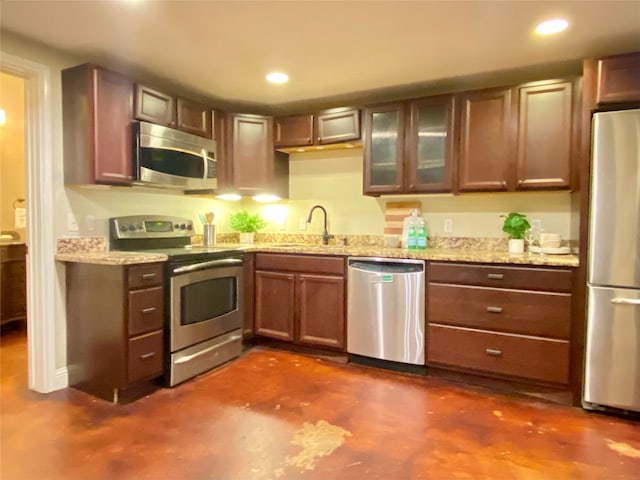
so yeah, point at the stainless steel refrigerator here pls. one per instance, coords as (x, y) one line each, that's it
(612, 366)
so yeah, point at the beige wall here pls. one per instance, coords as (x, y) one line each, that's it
(12, 164)
(334, 180)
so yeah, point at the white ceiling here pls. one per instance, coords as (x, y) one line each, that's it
(223, 49)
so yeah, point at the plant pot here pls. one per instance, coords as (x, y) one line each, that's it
(246, 237)
(516, 245)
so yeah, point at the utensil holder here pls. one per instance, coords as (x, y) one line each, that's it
(209, 235)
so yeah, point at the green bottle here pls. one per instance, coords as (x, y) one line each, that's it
(412, 237)
(421, 243)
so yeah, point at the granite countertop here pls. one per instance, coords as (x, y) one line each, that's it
(111, 258)
(434, 254)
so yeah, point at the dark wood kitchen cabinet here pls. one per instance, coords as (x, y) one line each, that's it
(115, 336)
(500, 321)
(618, 79)
(294, 131)
(13, 283)
(336, 125)
(97, 109)
(301, 299)
(547, 134)
(154, 106)
(252, 165)
(409, 146)
(486, 140)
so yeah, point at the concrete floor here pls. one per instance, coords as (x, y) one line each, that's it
(278, 415)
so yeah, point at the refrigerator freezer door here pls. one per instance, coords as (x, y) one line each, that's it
(614, 227)
(612, 367)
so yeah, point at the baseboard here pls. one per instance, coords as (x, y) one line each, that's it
(61, 379)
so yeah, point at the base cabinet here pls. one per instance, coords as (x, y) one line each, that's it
(500, 321)
(300, 299)
(115, 337)
(13, 283)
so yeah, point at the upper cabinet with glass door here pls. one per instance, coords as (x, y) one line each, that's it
(384, 149)
(409, 146)
(430, 144)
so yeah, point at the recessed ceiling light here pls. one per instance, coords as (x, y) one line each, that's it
(277, 77)
(552, 26)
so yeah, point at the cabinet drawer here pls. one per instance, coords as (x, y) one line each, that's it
(517, 311)
(503, 277)
(300, 263)
(528, 357)
(147, 275)
(145, 310)
(145, 357)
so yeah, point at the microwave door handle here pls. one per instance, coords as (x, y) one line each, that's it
(206, 163)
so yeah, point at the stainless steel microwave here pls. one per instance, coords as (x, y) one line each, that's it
(168, 158)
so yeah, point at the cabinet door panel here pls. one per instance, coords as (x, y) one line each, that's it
(146, 310)
(545, 132)
(252, 158)
(275, 305)
(145, 357)
(154, 106)
(321, 301)
(113, 112)
(430, 145)
(337, 125)
(384, 149)
(485, 141)
(193, 117)
(294, 131)
(619, 79)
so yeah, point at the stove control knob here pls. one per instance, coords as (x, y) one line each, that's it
(189, 226)
(183, 227)
(132, 227)
(140, 227)
(123, 228)
(176, 226)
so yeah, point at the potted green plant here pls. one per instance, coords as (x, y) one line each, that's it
(515, 225)
(247, 224)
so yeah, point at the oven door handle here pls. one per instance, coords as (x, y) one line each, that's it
(224, 262)
(188, 358)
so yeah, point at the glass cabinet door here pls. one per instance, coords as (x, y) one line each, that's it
(430, 145)
(384, 148)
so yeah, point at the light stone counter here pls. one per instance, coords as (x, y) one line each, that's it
(441, 254)
(111, 258)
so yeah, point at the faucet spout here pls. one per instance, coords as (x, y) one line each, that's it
(325, 232)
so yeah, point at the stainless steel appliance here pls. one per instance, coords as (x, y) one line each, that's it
(203, 290)
(173, 159)
(386, 309)
(612, 364)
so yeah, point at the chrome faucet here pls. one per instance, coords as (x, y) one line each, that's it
(325, 233)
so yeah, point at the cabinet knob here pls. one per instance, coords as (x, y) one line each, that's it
(494, 309)
(493, 352)
(495, 276)
(148, 276)
(149, 310)
(146, 356)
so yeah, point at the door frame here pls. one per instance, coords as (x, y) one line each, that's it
(41, 278)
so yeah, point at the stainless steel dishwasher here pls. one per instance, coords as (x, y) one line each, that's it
(385, 309)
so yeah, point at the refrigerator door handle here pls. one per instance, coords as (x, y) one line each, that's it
(625, 301)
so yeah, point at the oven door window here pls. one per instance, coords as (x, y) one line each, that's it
(208, 299)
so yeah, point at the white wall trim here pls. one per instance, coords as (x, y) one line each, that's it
(41, 320)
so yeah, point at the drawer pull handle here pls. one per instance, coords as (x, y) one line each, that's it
(493, 353)
(147, 355)
(494, 309)
(495, 276)
(149, 310)
(148, 276)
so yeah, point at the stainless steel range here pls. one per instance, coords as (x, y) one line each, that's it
(203, 292)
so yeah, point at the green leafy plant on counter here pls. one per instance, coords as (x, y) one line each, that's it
(515, 225)
(245, 222)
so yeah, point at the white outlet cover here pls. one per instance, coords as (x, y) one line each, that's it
(90, 222)
(448, 225)
(302, 223)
